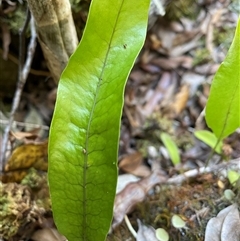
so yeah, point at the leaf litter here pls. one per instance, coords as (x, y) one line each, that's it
(166, 92)
(225, 226)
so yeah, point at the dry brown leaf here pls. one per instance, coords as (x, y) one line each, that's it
(166, 36)
(176, 26)
(169, 94)
(226, 226)
(177, 44)
(173, 63)
(141, 171)
(207, 69)
(146, 57)
(150, 68)
(132, 194)
(145, 233)
(186, 36)
(26, 156)
(33, 134)
(14, 176)
(186, 47)
(48, 234)
(139, 78)
(156, 43)
(181, 99)
(133, 163)
(134, 122)
(124, 180)
(158, 94)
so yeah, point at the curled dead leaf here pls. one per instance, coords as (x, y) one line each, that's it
(14, 176)
(133, 163)
(181, 99)
(26, 156)
(226, 226)
(124, 180)
(30, 135)
(145, 233)
(132, 194)
(23, 158)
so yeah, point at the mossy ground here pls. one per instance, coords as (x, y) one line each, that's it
(196, 202)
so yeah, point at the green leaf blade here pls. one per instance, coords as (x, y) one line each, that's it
(84, 134)
(223, 106)
(210, 139)
(171, 147)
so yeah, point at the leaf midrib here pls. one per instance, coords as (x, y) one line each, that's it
(89, 125)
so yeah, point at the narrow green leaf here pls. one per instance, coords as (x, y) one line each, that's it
(171, 147)
(84, 134)
(223, 106)
(210, 139)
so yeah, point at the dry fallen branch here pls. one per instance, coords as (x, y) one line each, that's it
(222, 167)
(23, 74)
(132, 194)
(24, 124)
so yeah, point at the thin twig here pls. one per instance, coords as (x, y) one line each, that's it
(25, 124)
(23, 74)
(232, 164)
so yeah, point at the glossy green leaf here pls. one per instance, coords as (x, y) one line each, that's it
(210, 139)
(223, 106)
(171, 147)
(84, 134)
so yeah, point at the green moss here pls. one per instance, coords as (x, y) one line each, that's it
(30, 198)
(14, 201)
(37, 181)
(15, 20)
(223, 36)
(76, 5)
(182, 8)
(33, 179)
(201, 56)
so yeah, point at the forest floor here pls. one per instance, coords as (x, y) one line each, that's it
(165, 97)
